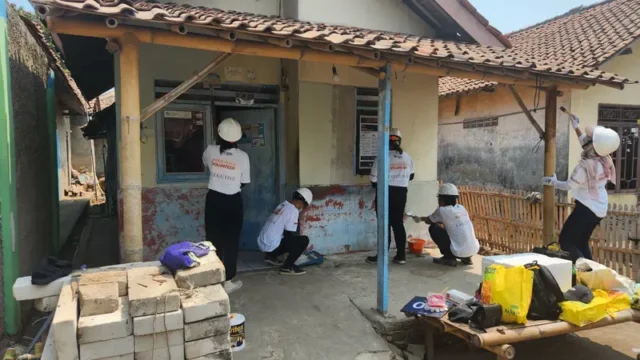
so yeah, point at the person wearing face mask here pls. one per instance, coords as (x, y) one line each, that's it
(400, 173)
(588, 185)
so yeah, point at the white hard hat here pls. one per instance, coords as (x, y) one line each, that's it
(395, 132)
(230, 130)
(448, 189)
(605, 140)
(306, 195)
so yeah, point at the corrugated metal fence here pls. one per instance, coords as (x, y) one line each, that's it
(507, 221)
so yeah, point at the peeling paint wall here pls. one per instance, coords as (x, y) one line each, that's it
(509, 155)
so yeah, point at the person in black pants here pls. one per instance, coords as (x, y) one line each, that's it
(223, 214)
(400, 173)
(280, 234)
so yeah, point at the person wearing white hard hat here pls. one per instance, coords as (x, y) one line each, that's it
(451, 229)
(229, 171)
(588, 185)
(400, 173)
(280, 233)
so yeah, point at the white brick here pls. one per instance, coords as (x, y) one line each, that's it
(209, 272)
(204, 303)
(105, 349)
(120, 357)
(103, 327)
(150, 269)
(146, 342)
(97, 299)
(115, 276)
(49, 350)
(172, 353)
(65, 323)
(222, 355)
(24, 290)
(212, 345)
(144, 325)
(149, 294)
(47, 304)
(207, 328)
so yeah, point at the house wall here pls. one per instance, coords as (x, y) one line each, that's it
(342, 217)
(62, 130)
(80, 146)
(585, 105)
(509, 155)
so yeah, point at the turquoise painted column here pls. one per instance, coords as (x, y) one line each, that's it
(384, 121)
(8, 208)
(54, 161)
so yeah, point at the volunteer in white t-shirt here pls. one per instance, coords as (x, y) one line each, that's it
(400, 173)
(455, 237)
(588, 185)
(228, 172)
(280, 236)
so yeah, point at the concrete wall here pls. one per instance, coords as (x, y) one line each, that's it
(29, 69)
(80, 149)
(62, 130)
(585, 104)
(505, 156)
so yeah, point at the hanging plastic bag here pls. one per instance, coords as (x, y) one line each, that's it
(597, 276)
(511, 288)
(602, 305)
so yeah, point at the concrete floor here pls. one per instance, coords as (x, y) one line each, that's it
(315, 317)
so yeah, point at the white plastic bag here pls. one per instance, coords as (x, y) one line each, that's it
(597, 276)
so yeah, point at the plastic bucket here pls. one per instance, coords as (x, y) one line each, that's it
(236, 333)
(416, 246)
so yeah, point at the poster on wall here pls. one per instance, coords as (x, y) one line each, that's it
(252, 136)
(367, 142)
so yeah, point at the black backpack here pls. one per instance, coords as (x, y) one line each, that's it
(546, 294)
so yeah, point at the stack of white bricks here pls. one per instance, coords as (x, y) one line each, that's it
(141, 312)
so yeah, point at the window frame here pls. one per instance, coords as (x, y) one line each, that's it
(162, 177)
(617, 125)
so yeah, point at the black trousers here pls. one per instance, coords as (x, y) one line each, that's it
(577, 231)
(294, 246)
(440, 236)
(397, 204)
(223, 215)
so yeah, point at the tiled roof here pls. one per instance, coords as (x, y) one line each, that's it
(585, 38)
(438, 53)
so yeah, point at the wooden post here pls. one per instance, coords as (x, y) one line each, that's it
(384, 120)
(93, 170)
(548, 202)
(129, 149)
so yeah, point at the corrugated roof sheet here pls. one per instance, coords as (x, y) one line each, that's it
(420, 48)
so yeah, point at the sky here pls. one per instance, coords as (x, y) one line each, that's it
(22, 3)
(511, 15)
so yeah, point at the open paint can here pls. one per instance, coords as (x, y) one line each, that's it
(236, 333)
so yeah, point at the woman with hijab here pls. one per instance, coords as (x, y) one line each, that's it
(588, 185)
(223, 214)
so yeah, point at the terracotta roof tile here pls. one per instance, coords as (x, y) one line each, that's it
(445, 52)
(586, 38)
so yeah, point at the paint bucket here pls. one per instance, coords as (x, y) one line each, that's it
(416, 246)
(236, 333)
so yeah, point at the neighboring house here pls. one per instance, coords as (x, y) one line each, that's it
(485, 138)
(296, 82)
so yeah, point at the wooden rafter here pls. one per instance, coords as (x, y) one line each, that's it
(526, 111)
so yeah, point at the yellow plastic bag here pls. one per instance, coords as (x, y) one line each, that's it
(511, 288)
(603, 304)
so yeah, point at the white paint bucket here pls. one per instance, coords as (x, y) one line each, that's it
(236, 333)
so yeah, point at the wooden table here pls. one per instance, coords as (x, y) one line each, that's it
(498, 340)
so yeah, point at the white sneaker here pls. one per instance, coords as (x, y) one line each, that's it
(231, 286)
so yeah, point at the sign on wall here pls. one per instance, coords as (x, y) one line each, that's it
(368, 142)
(252, 135)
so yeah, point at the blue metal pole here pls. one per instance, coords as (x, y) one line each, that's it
(384, 120)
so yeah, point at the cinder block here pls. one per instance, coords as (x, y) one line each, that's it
(120, 357)
(47, 304)
(97, 299)
(146, 342)
(203, 347)
(204, 303)
(152, 294)
(117, 324)
(207, 328)
(65, 323)
(144, 325)
(24, 290)
(171, 353)
(209, 272)
(115, 276)
(105, 349)
(222, 355)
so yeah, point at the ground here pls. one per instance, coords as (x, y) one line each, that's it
(315, 316)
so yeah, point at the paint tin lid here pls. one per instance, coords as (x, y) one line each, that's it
(236, 319)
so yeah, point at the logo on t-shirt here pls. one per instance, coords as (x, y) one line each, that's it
(223, 164)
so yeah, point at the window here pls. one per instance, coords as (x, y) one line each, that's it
(480, 123)
(624, 120)
(366, 129)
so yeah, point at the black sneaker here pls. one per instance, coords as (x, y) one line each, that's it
(372, 259)
(446, 261)
(466, 261)
(399, 260)
(292, 271)
(272, 261)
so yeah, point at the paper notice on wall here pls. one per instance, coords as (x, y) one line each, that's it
(368, 134)
(232, 73)
(252, 135)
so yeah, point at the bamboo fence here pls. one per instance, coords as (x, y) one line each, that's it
(504, 220)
